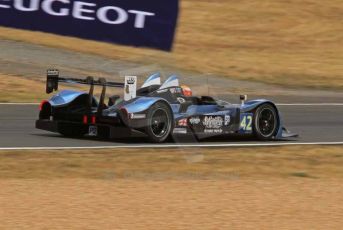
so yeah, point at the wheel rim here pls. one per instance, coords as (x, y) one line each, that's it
(160, 123)
(266, 122)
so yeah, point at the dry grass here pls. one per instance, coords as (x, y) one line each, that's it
(232, 188)
(292, 43)
(19, 89)
(192, 163)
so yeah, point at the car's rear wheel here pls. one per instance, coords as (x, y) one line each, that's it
(266, 122)
(159, 122)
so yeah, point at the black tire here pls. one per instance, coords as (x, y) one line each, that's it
(266, 122)
(159, 122)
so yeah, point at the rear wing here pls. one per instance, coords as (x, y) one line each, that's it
(53, 80)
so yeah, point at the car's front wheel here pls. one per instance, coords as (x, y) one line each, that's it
(159, 122)
(266, 122)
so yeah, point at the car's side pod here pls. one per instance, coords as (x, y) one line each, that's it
(140, 106)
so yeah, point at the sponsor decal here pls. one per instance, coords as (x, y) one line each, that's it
(112, 114)
(182, 122)
(53, 72)
(213, 131)
(194, 120)
(130, 87)
(131, 80)
(213, 122)
(147, 23)
(180, 130)
(162, 90)
(175, 90)
(227, 120)
(181, 100)
(137, 116)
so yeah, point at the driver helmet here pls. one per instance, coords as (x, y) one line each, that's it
(186, 91)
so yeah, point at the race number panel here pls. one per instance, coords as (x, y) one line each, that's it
(246, 123)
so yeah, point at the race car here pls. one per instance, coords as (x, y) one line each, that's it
(159, 110)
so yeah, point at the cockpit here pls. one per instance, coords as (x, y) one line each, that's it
(170, 90)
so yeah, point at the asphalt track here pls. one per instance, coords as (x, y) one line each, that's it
(320, 123)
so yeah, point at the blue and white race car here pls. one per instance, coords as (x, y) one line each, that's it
(156, 109)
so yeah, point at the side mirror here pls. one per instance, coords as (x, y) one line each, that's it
(243, 98)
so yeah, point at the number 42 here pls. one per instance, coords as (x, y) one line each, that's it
(246, 122)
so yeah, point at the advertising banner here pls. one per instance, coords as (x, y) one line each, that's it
(143, 23)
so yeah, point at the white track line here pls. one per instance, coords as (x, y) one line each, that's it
(17, 103)
(278, 104)
(310, 104)
(176, 146)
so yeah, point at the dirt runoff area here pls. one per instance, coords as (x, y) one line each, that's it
(236, 188)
